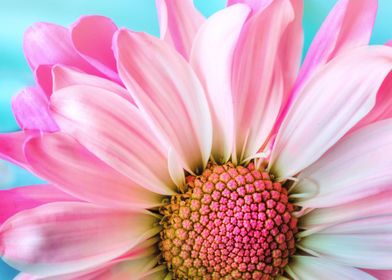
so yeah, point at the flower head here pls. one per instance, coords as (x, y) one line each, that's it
(209, 153)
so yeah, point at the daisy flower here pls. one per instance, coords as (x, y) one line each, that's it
(208, 153)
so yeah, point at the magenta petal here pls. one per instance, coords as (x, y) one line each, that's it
(46, 43)
(31, 110)
(43, 77)
(11, 147)
(18, 199)
(92, 39)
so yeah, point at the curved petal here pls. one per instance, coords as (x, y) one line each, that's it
(348, 25)
(211, 58)
(139, 260)
(18, 199)
(363, 243)
(356, 167)
(127, 269)
(64, 77)
(47, 43)
(257, 79)
(85, 39)
(383, 108)
(168, 93)
(60, 159)
(31, 110)
(113, 130)
(310, 128)
(60, 238)
(179, 22)
(11, 147)
(310, 268)
(369, 206)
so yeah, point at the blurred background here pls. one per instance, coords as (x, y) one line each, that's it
(17, 15)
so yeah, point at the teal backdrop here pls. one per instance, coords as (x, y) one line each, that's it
(17, 15)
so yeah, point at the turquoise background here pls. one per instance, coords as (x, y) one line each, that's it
(17, 15)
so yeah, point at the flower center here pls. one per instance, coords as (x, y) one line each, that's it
(233, 222)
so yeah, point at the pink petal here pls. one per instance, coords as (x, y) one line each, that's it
(290, 49)
(179, 22)
(310, 127)
(60, 159)
(43, 77)
(87, 34)
(349, 25)
(211, 58)
(31, 110)
(59, 238)
(64, 76)
(257, 78)
(15, 200)
(113, 130)
(255, 5)
(47, 43)
(290, 53)
(362, 243)
(380, 274)
(373, 205)
(139, 259)
(11, 147)
(356, 167)
(168, 93)
(383, 108)
(311, 268)
(133, 269)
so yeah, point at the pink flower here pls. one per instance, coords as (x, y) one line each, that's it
(205, 154)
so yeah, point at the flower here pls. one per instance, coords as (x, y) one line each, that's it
(205, 154)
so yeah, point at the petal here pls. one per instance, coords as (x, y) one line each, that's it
(356, 167)
(374, 205)
(255, 5)
(60, 238)
(363, 243)
(139, 259)
(257, 79)
(86, 40)
(60, 159)
(31, 110)
(11, 147)
(175, 169)
(133, 269)
(348, 25)
(47, 43)
(310, 127)
(290, 53)
(380, 274)
(113, 130)
(43, 77)
(211, 58)
(64, 76)
(310, 268)
(15, 200)
(383, 108)
(179, 22)
(168, 93)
